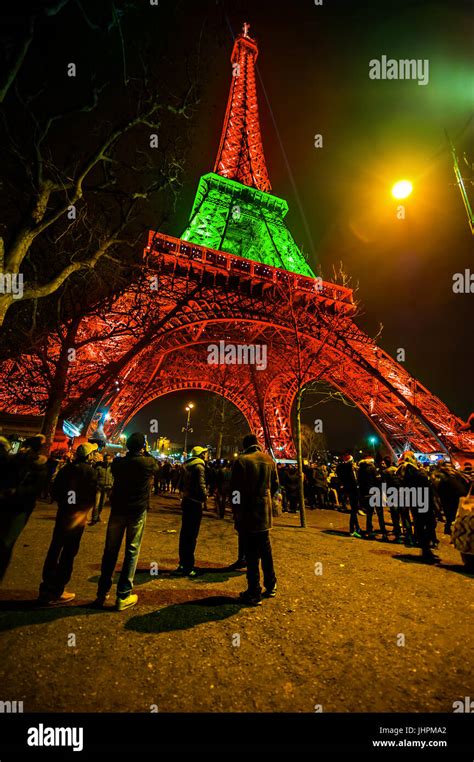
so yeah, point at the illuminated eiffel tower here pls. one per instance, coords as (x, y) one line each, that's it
(236, 277)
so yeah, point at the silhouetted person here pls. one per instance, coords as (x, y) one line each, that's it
(411, 475)
(346, 471)
(254, 481)
(368, 478)
(105, 482)
(22, 479)
(193, 487)
(129, 503)
(74, 490)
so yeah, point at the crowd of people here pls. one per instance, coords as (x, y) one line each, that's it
(351, 487)
(252, 487)
(81, 484)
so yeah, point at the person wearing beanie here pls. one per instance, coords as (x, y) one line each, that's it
(194, 493)
(74, 490)
(22, 477)
(129, 503)
(254, 481)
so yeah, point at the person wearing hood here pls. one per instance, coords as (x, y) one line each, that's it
(22, 478)
(74, 490)
(129, 504)
(254, 482)
(194, 493)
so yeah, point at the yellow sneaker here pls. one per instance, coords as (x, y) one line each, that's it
(126, 603)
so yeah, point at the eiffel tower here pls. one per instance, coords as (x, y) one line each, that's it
(236, 277)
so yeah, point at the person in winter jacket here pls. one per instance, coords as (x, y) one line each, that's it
(451, 485)
(22, 479)
(400, 514)
(347, 474)
(105, 482)
(254, 481)
(194, 494)
(129, 504)
(74, 490)
(411, 475)
(368, 478)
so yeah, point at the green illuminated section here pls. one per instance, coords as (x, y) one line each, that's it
(244, 221)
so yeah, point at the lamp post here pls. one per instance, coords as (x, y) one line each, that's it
(402, 189)
(373, 442)
(187, 428)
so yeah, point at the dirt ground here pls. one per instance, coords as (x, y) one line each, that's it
(357, 626)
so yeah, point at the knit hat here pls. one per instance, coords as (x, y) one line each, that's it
(136, 442)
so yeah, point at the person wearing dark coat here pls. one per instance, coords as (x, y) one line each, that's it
(400, 515)
(254, 481)
(411, 475)
(194, 494)
(451, 486)
(346, 472)
(22, 479)
(74, 490)
(129, 504)
(368, 478)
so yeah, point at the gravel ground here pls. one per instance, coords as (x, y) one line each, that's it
(332, 637)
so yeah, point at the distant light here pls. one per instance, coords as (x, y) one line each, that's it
(373, 440)
(70, 429)
(402, 189)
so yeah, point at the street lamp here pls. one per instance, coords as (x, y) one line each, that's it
(187, 428)
(402, 189)
(373, 442)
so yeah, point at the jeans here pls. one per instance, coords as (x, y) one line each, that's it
(258, 548)
(369, 509)
(64, 547)
(119, 525)
(190, 524)
(353, 496)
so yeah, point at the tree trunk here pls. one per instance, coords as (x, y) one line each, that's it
(57, 393)
(5, 302)
(50, 420)
(220, 430)
(299, 457)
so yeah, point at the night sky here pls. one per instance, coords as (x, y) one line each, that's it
(314, 64)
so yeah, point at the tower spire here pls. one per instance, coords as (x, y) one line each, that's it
(240, 156)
